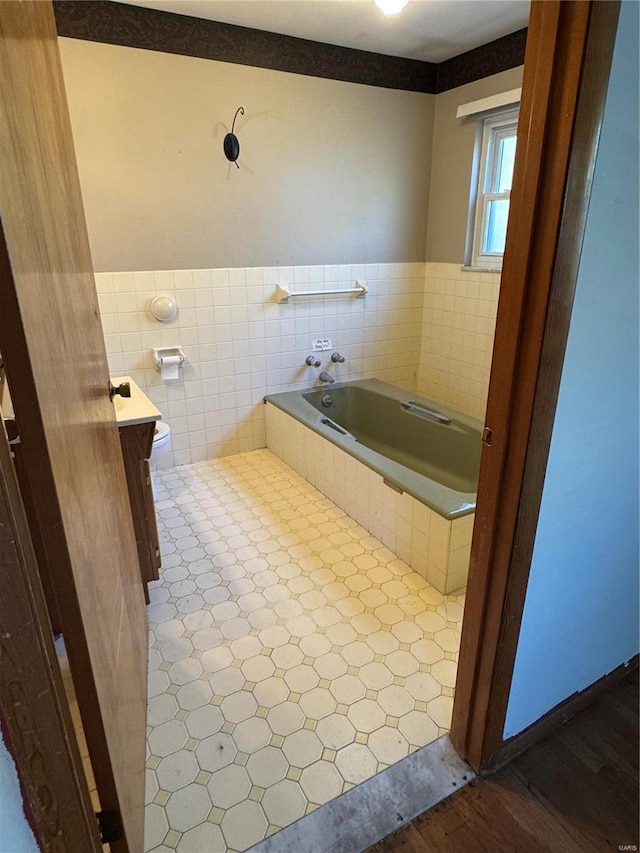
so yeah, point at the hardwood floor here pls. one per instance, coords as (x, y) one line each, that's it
(574, 792)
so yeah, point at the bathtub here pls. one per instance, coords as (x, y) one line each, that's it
(404, 467)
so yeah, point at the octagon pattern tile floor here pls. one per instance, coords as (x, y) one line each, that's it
(292, 656)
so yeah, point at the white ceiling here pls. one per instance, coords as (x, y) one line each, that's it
(431, 30)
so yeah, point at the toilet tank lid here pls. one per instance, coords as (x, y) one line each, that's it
(162, 430)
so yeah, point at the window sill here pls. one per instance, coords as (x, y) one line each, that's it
(492, 270)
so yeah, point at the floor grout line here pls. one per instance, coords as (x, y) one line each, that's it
(292, 656)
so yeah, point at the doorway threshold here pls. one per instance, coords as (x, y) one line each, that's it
(375, 808)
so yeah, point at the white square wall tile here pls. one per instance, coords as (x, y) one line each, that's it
(250, 297)
(457, 303)
(425, 542)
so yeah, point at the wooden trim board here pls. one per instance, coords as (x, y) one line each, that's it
(37, 542)
(33, 705)
(559, 124)
(563, 712)
(484, 61)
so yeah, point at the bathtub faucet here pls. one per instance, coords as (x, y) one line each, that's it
(326, 378)
(336, 358)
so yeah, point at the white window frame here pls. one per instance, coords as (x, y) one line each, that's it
(494, 128)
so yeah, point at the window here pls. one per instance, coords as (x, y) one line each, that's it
(490, 198)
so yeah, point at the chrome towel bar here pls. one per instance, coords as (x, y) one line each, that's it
(283, 294)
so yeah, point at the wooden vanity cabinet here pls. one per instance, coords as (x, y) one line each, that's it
(136, 441)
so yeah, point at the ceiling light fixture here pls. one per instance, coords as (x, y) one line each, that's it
(391, 7)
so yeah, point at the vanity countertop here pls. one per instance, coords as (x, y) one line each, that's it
(136, 409)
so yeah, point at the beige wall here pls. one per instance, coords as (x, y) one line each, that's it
(332, 172)
(452, 153)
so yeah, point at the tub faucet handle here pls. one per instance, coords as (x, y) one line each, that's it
(336, 358)
(312, 361)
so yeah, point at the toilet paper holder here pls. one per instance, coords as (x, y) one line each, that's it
(160, 353)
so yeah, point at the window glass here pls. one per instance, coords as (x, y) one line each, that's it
(496, 230)
(506, 158)
(491, 198)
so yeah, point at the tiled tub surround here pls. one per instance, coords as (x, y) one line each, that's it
(292, 655)
(435, 547)
(458, 326)
(240, 344)
(429, 321)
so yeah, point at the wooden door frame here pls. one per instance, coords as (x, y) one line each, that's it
(33, 706)
(558, 134)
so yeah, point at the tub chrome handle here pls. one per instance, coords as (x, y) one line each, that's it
(328, 422)
(418, 409)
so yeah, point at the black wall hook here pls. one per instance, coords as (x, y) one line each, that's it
(231, 145)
